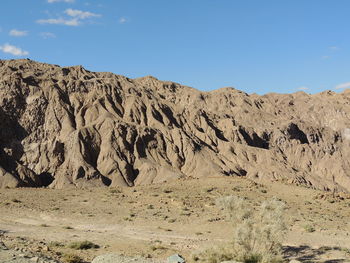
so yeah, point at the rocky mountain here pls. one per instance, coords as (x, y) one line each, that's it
(67, 126)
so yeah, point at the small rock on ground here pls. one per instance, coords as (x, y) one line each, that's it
(15, 256)
(175, 259)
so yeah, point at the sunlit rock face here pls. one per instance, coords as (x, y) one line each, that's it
(69, 127)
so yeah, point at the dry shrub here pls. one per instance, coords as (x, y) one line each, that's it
(72, 258)
(257, 234)
(82, 245)
(214, 255)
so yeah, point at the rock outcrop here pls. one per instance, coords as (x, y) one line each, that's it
(67, 126)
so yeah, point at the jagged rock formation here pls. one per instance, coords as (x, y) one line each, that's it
(63, 127)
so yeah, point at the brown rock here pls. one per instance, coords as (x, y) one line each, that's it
(69, 127)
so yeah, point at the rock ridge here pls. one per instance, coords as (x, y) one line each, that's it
(70, 127)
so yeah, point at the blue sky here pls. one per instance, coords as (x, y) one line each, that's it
(257, 46)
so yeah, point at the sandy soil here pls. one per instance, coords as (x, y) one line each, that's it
(160, 220)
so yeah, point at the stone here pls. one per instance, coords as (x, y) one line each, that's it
(175, 259)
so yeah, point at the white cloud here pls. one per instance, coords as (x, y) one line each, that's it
(302, 88)
(66, 1)
(47, 35)
(334, 48)
(59, 21)
(16, 51)
(80, 14)
(122, 20)
(326, 57)
(18, 33)
(75, 18)
(343, 85)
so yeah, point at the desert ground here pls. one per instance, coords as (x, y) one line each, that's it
(156, 221)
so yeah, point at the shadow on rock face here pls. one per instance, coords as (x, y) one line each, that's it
(296, 134)
(46, 179)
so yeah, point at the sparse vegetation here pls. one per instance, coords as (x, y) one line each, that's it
(72, 258)
(309, 228)
(132, 215)
(115, 191)
(55, 244)
(213, 255)
(210, 189)
(83, 245)
(157, 247)
(193, 231)
(185, 214)
(346, 250)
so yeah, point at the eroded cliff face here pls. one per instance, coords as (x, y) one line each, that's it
(63, 127)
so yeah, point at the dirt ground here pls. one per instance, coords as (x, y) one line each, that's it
(160, 220)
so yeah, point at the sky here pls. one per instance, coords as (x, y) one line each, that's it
(258, 46)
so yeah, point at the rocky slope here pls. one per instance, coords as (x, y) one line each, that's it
(62, 127)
